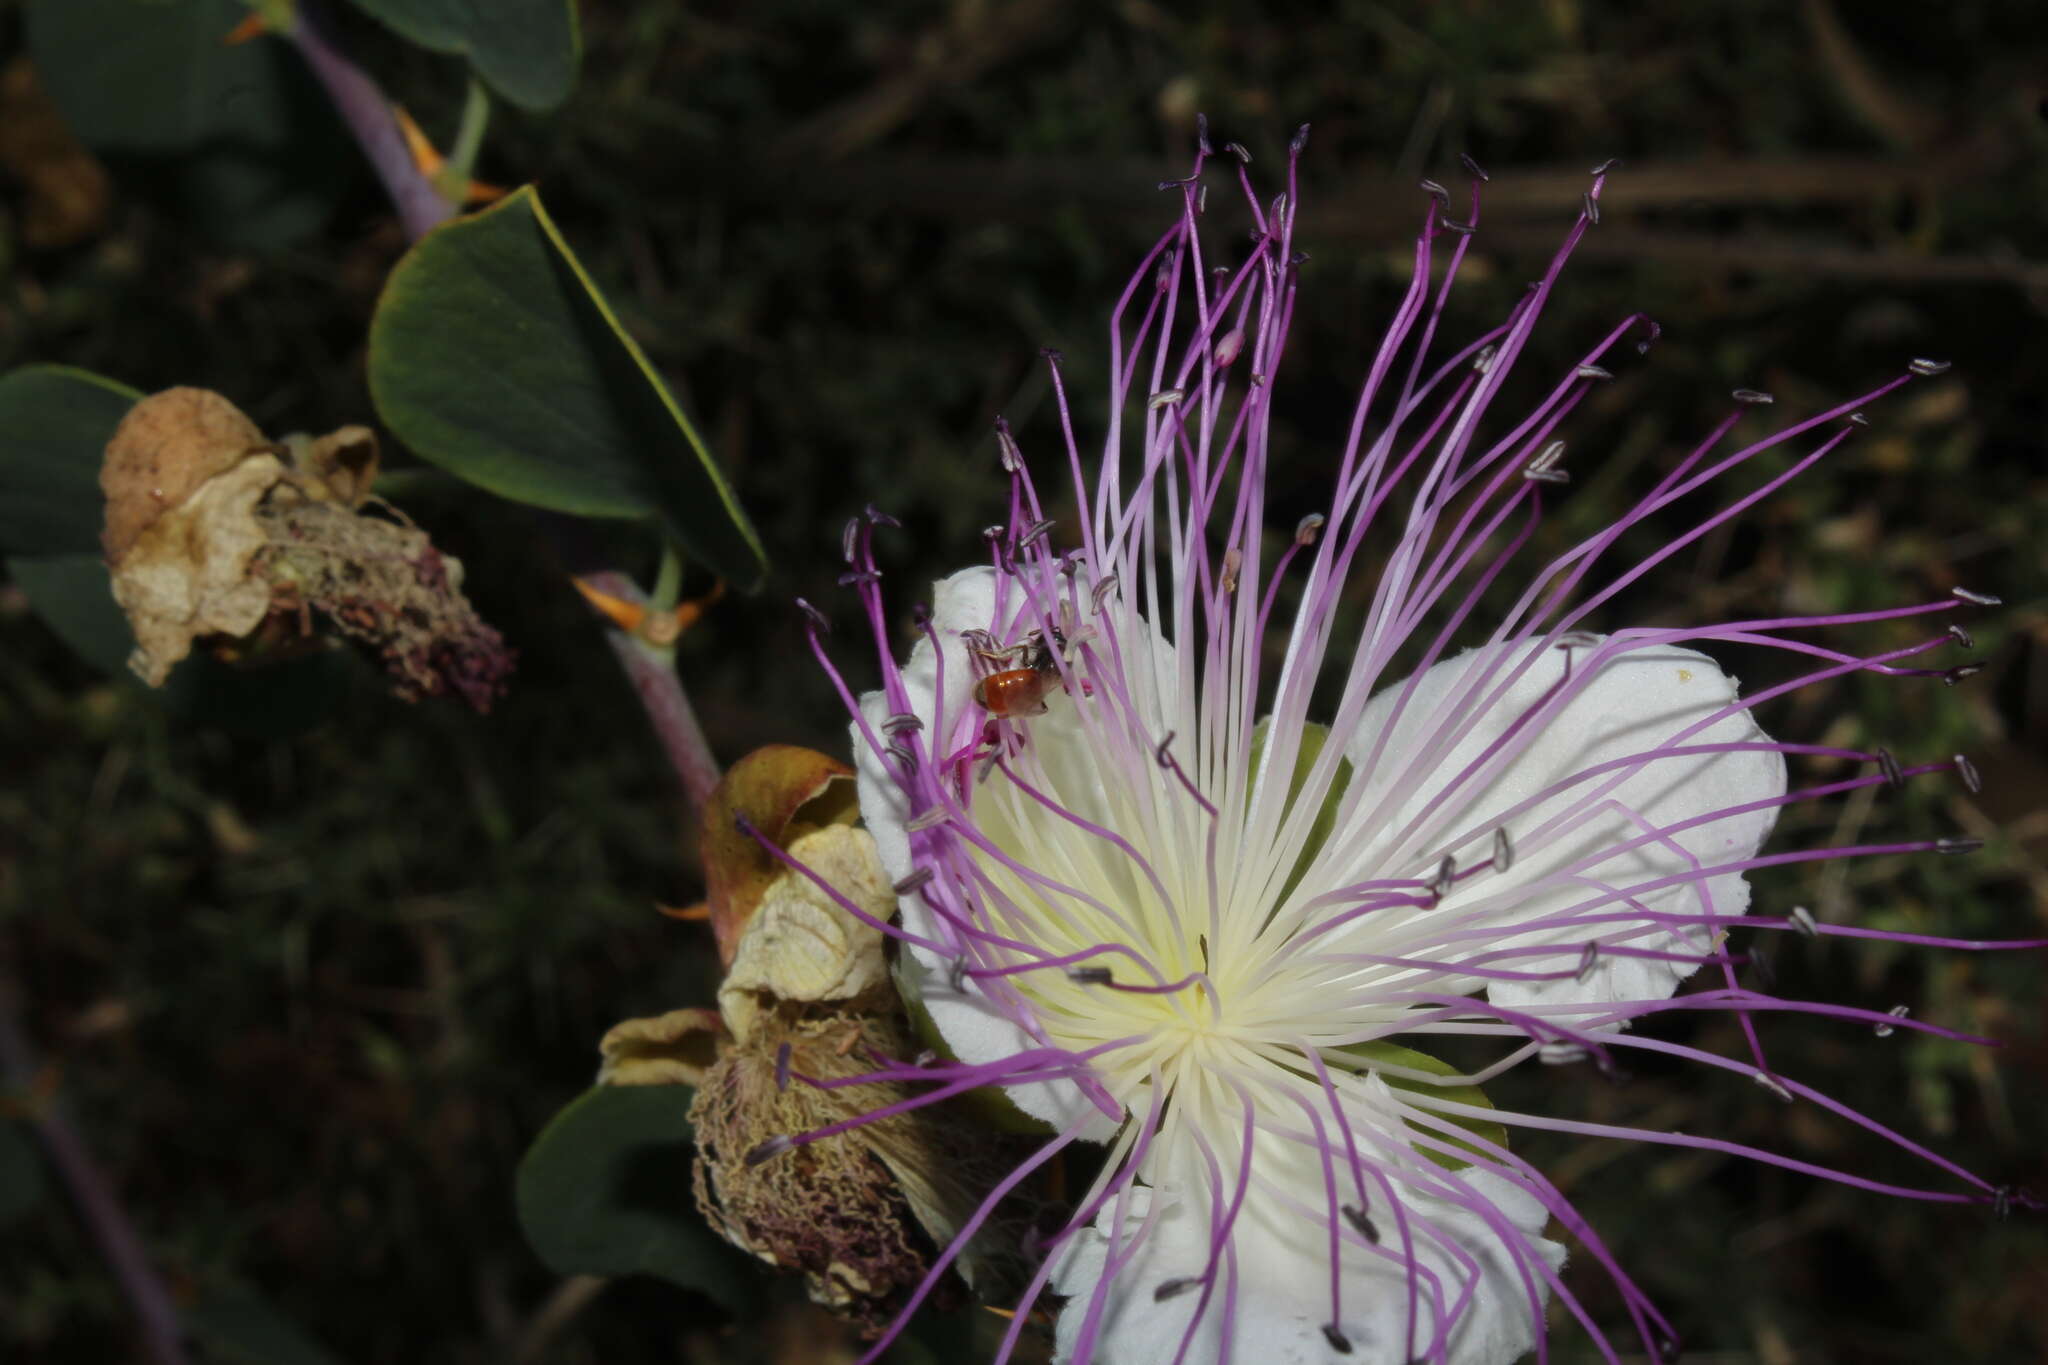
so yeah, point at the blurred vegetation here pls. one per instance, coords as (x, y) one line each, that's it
(310, 998)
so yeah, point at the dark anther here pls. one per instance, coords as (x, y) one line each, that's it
(816, 617)
(1960, 672)
(1052, 355)
(1549, 456)
(1104, 586)
(1981, 599)
(1752, 396)
(1760, 963)
(917, 878)
(1588, 957)
(901, 723)
(1300, 142)
(1547, 475)
(956, 975)
(1237, 150)
(742, 825)
(857, 578)
(1484, 360)
(1802, 920)
(1356, 1217)
(1957, 845)
(1437, 192)
(1604, 167)
(1091, 976)
(1035, 532)
(1339, 1343)
(1297, 258)
(902, 753)
(1857, 419)
(1173, 1288)
(1961, 636)
(782, 1067)
(924, 1058)
(1306, 530)
(877, 517)
(1968, 772)
(1592, 207)
(1924, 366)
(1886, 1030)
(1593, 372)
(1577, 639)
(1202, 135)
(1173, 184)
(768, 1151)
(1453, 225)
(1160, 754)
(920, 616)
(1668, 1350)
(1561, 1052)
(1446, 877)
(1473, 168)
(1202, 942)
(849, 539)
(1503, 850)
(1889, 766)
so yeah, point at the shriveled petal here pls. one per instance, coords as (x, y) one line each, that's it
(1528, 743)
(1282, 1301)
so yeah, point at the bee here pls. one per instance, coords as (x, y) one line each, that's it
(1021, 689)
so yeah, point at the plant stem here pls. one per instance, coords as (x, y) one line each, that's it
(469, 140)
(653, 675)
(421, 207)
(363, 107)
(101, 1212)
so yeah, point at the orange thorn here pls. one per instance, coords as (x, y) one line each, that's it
(1007, 1314)
(424, 156)
(666, 630)
(627, 616)
(694, 913)
(252, 27)
(477, 192)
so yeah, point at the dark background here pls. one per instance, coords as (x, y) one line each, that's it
(310, 998)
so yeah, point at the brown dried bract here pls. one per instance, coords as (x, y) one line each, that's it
(212, 530)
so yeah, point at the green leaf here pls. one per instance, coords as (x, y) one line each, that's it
(1376, 1055)
(74, 596)
(526, 50)
(243, 1327)
(22, 1179)
(1313, 737)
(55, 423)
(241, 139)
(493, 356)
(605, 1190)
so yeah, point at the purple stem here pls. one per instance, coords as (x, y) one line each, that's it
(660, 689)
(421, 208)
(163, 1337)
(368, 114)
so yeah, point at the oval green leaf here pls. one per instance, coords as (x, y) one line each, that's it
(605, 1190)
(494, 356)
(240, 139)
(55, 423)
(526, 50)
(1376, 1055)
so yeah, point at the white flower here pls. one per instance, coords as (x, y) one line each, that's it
(1293, 815)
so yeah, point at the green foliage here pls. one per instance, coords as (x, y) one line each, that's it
(241, 1327)
(1378, 1055)
(605, 1190)
(493, 355)
(55, 422)
(526, 50)
(240, 138)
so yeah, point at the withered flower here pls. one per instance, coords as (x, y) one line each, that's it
(215, 533)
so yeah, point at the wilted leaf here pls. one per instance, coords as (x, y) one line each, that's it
(782, 790)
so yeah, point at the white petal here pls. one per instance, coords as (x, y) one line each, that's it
(975, 1031)
(1633, 703)
(1283, 1279)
